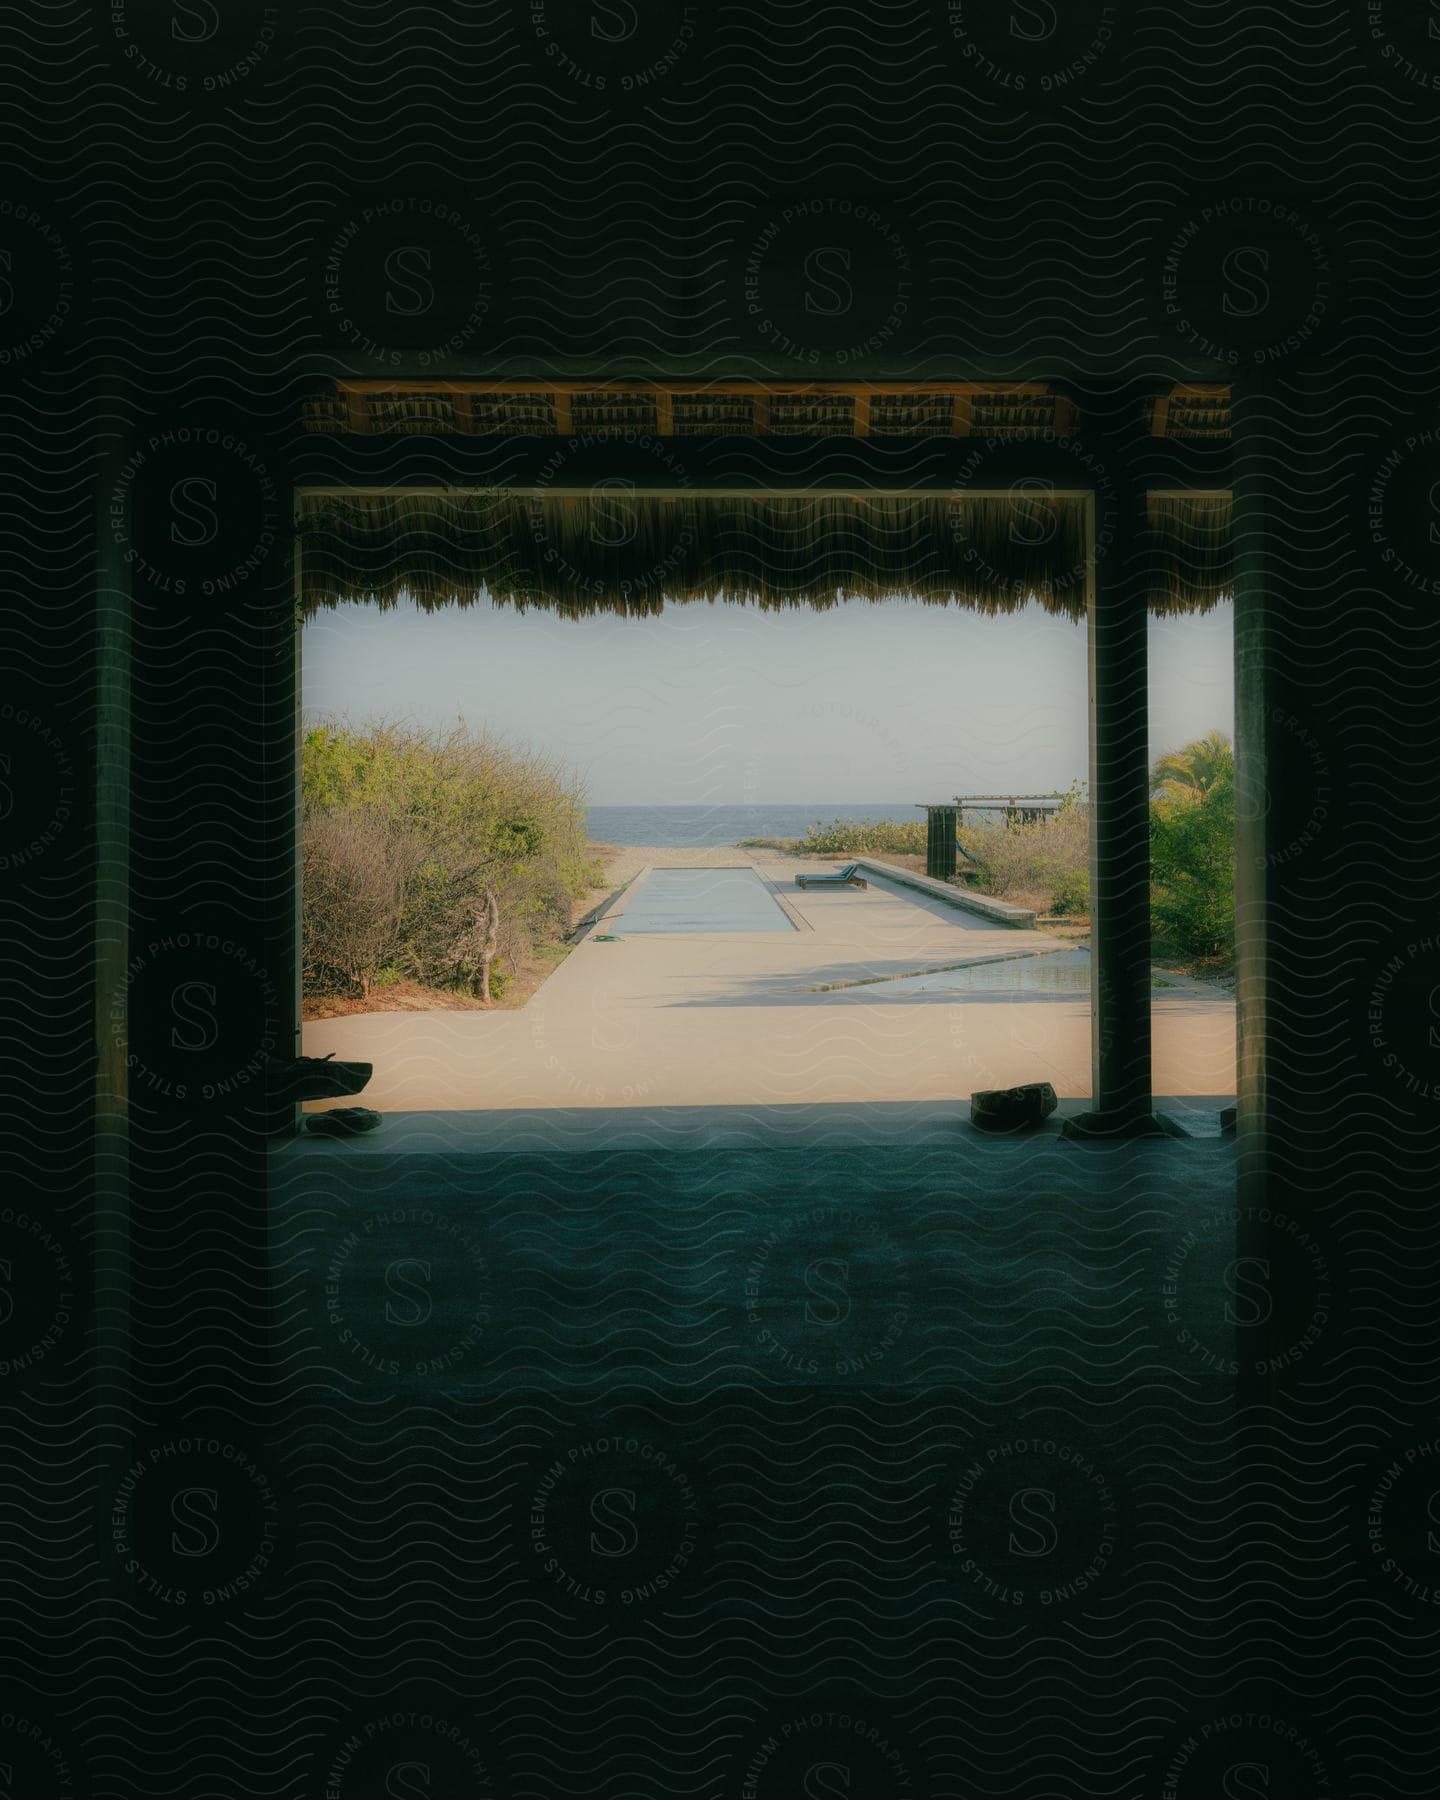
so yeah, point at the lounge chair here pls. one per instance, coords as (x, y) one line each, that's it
(849, 876)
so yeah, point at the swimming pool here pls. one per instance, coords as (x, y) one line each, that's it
(672, 902)
(1051, 975)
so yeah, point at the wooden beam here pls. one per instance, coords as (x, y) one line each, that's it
(1218, 391)
(458, 490)
(671, 385)
(661, 393)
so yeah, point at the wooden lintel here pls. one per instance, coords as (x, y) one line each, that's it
(662, 394)
(1186, 390)
(700, 387)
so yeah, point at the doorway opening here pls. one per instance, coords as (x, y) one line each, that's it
(645, 1020)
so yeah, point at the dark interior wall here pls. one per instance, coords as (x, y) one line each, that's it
(207, 218)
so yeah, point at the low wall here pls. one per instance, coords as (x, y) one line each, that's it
(999, 912)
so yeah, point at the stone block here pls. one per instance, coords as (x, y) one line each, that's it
(1013, 1109)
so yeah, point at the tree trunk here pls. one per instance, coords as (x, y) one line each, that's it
(487, 953)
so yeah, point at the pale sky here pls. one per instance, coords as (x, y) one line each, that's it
(723, 705)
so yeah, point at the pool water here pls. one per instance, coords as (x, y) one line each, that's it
(675, 901)
(1053, 974)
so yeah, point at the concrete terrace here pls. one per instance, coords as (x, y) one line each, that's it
(755, 1019)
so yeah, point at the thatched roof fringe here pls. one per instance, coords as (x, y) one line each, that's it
(1188, 564)
(616, 551)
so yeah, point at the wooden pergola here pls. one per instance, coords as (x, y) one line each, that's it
(944, 820)
(1016, 809)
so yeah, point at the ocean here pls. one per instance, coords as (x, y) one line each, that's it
(704, 827)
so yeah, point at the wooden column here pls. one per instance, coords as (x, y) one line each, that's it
(1118, 625)
(1252, 805)
(112, 928)
(282, 752)
(210, 855)
(941, 836)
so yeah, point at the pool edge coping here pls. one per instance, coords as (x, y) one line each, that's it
(998, 912)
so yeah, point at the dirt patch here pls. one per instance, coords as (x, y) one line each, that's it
(1072, 927)
(398, 996)
(415, 997)
(1218, 972)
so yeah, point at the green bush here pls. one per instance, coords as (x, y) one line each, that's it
(1192, 872)
(1192, 849)
(1046, 857)
(356, 868)
(403, 831)
(856, 836)
(1070, 893)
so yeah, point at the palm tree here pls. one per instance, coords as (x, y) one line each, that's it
(1191, 773)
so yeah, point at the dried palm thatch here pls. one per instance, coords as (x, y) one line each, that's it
(613, 550)
(1188, 562)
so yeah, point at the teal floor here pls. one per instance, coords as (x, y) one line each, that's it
(989, 1262)
(728, 1472)
(733, 1471)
